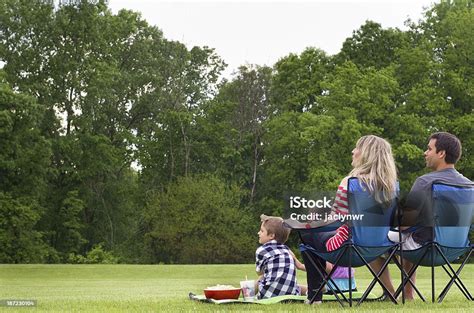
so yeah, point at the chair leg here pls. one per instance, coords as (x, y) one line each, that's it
(402, 271)
(349, 269)
(326, 277)
(455, 277)
(450, 283)
(432, 274)
(454, 274)
(407, 278)
(374, 281)
(376, 277)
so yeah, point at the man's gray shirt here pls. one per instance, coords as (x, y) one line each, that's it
(419, 199)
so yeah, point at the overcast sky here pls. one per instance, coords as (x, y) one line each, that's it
(263, 31)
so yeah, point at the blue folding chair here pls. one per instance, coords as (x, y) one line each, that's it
(367, 241)
(452, 214)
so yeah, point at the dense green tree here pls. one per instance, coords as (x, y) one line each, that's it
(198, 220)
(285, 165)
(296, 83)
(366, 95)
(372, 46)
(65, 227)
(231, 129)
(448, 27)
(24, 160)
(102, 79)
(167, 138)
(463, 127)
(299, 155)
(25, 152)
(20, 242)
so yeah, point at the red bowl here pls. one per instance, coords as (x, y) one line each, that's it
(222, 294)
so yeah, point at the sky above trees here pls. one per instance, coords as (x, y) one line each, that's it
(263, 31)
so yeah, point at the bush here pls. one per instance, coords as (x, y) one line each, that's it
(95, 256)
(199, 220)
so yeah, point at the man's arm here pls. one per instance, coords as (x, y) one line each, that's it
(416, 202)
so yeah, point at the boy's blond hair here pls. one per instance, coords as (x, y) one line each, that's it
(274, 226)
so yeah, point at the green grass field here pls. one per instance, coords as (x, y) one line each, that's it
(158, 288)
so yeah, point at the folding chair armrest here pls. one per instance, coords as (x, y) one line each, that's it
(304, 247)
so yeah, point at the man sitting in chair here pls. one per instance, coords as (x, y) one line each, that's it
(444, 150)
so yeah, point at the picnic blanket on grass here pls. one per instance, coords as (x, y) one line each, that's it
(279, 299)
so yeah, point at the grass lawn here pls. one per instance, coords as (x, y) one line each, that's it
(165, 288)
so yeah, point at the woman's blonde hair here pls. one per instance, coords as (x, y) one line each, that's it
(375, 167)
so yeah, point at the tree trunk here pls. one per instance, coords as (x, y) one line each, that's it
(187, 150)
(254, 177)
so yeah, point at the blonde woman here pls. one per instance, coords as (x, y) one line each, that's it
(373, 164)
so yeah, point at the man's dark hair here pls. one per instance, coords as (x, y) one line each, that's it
(450, 144)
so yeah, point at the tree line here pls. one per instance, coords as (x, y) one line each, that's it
(119, 145)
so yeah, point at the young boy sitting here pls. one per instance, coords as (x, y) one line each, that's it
(275, 263)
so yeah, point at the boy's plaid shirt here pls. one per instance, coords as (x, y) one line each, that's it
(279, 271)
